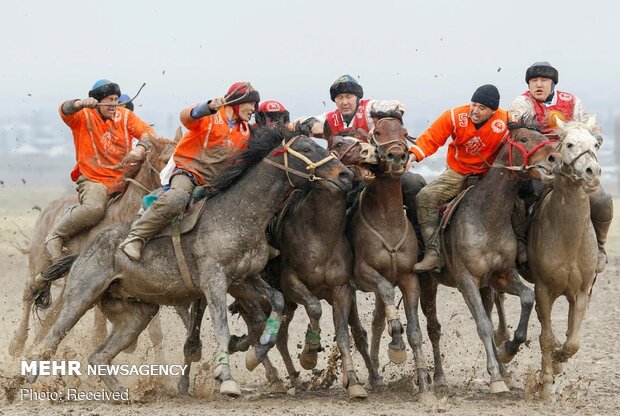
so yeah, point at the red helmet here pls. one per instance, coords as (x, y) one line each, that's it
(271, 113)
(242, 92)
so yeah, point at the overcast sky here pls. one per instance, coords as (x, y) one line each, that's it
(430, 54)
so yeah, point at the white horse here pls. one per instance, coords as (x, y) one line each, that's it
(562, 249)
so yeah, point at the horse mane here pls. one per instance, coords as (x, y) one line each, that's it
(262, 141)
(387, 114)
(524, 122)
(574, 124)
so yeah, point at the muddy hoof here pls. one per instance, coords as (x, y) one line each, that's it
(277, 387)
(308, 358)
(230, 388)
(503, 355)
(357, 391)
(498, 387)
(251, 360)
(440, 381)
(558, 368)
(397, 356)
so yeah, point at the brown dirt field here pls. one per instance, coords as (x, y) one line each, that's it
(589, 384)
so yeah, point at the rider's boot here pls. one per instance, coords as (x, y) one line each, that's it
(432, 254)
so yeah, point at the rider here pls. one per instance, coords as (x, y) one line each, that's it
(271, 113)
(353, 115)
(125, 101)
(477, 130)
(544, 102)
(217, 130)
(102, 134)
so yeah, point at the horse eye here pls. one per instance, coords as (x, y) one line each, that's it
(523, 139)
(569, 145)
(338, 144)
(307, 150)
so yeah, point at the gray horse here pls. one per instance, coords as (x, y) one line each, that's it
(562, 248)
(227, 246)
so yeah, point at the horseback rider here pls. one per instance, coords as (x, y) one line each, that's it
(352, 116)
(102, 134)
(272, 113)
(125, 101)
(217, 131)
(546, 103)
(477, 130)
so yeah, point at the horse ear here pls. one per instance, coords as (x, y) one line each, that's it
(558, 122)
(591, 122)
(328, 134)
(178, 134)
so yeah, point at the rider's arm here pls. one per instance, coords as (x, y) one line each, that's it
(140, 130)
(386, 106)
(434, 137)
(520, 107)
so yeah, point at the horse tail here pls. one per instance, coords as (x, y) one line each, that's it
(43, 297)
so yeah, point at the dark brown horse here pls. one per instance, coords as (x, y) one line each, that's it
(480, 247)
(316, 263)
(386, 249)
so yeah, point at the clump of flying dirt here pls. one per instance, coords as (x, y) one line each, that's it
(204, 384)
(9, 387)
(150, 389)
(531, 384)
(325, 378)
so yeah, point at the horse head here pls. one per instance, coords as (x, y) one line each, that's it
(309, 165)
(389, 138)
(355, 154)
(530, 152)
(578, 147)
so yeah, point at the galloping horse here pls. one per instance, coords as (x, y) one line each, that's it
(227, 246)
(386, 248)
(479, 246)
(316, 262)
(562, 248)
(123, 210)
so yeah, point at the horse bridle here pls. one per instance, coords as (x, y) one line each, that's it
(310, 165)
(380, 148)
(526, 155)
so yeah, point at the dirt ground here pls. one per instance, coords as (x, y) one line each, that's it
(589, 384)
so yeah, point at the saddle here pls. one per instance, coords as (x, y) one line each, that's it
(447, 210)
(187, 221)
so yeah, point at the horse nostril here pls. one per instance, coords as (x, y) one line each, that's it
(589, 171)
(346, 176)
(364, 153)
(551, 158)
(390, 156)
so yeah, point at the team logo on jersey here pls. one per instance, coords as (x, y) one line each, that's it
(474, 145)
(108, 142)
(564, 96)
(498, 126)
(117, 116)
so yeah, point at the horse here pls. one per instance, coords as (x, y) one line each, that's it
(226, 248)
(386, 248)
(316, 263)
(562, 248)
(122, 210)
(479, 248)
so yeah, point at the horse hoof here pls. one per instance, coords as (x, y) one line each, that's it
(251, 360)
(357, 391)
(503, 355)
(427, 398)
(498, 387)
(16, 347)
(277, 387)
(397, 356)
(308, 359)
(440, 381)
(230, 388)
(558, 368)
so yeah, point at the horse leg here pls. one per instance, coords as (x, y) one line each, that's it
(360, 337)
(502, 333)
(215, 286)
(100, 330)
(296, 291)
(192, 349)
(282, 343)
(21, 333)
(254, 318)
(576, 312)
(410, 288)
(157, 337)
(428, 302)
(128, 319)
(377, 327)
(544, 305)
(341, 304)
(275, 386)
(256, 289)
(508, 349)
(471, 294)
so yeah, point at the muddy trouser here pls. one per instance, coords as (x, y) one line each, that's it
(93, 198)
(412, 184)
(601, 214)
(438, 192)
(165, 208)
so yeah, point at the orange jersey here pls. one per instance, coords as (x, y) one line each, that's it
(102, 144)
(209, 144)
(470, 147)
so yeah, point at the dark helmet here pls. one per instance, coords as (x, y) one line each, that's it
(346, 84)
(541, 69)
(104, 88)
(271, 112)
(124, 98)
